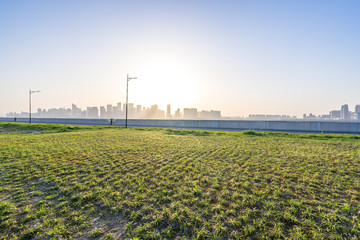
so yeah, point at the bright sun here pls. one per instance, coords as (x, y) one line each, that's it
(165, 81)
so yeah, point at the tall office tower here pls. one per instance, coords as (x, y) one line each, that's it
(160, 114)
(138, 111)
(109, 111)
(357, 112)
(357, 108)
(345, 113)
(75, 111)
(119, 110)
(92, 112)
(152, 111)
(119, 106)
(102, 112)
(168, 111)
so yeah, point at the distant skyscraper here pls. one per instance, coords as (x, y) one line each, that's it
(357, 108)
(210, 114)
(168, 111)
(83, 114)
(131, 110)
(118, 113)
(109, 111)
(92, 112)
(190, 113)
(152, 112)
(39, 113)
(115, 112)
(335, 114)
(357, 112)
(345, 113)
(102, 112)
(177, 114)
(75, 111)
(138, 111)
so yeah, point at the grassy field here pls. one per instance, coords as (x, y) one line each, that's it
(61, 182)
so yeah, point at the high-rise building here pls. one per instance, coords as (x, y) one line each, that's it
(357, 108)
(83, 114)
(119, 106)
(75, 111)
(335, 114)
(131, 110)
(39, 113)
(138, 111)
(109, 111)
(102, 112)
(118, 113)
(190, 113)
(345, 113)
(177, 114)
(210, 114)
(152, 112)
(92, 112)
(168, 111)
(357, 112)
(143, 112)
(160, 114)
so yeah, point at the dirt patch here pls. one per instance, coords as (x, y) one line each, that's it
(37, 194)
(107, 227)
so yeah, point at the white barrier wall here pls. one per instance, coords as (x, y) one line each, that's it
(232, 125)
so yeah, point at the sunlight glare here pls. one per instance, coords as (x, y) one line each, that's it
(165, 81)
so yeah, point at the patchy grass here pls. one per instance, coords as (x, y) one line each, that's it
(110, 183)
(44, 128)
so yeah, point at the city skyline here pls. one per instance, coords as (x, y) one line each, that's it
(137, 111)
(118, 111)
(267, 57)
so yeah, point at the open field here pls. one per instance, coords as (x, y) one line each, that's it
(63, 182)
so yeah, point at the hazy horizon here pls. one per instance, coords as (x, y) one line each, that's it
(239, 57)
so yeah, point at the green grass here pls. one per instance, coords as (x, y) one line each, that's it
(109, 183)
(44, 128)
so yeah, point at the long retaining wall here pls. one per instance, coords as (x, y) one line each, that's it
(351, 127)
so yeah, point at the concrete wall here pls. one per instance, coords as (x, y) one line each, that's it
(232, 125)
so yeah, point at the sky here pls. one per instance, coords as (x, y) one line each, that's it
(240, 57)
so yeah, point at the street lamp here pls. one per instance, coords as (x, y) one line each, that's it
(127, 93)
(30, 92)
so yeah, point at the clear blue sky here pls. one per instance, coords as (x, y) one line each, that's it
(240, 57)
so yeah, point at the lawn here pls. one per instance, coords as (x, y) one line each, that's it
(62, 182)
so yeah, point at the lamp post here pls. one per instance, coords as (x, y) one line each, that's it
(127, 94)
(30, 92)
